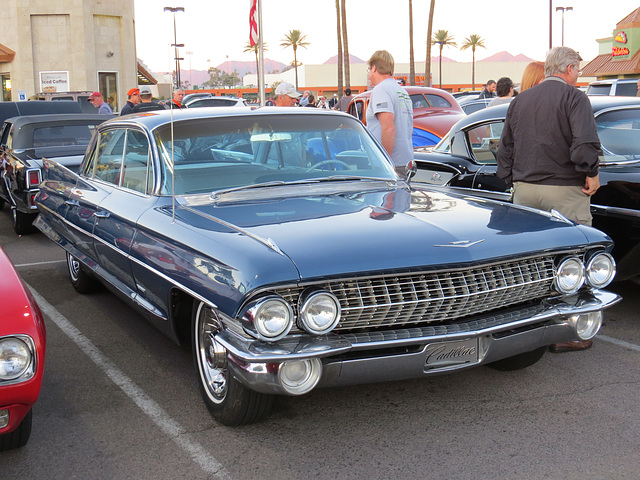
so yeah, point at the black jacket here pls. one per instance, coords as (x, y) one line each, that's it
(549, 136)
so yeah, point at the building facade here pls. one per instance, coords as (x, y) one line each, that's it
(69, 45)
(619, 55)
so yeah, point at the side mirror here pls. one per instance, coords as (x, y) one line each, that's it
(410, 169)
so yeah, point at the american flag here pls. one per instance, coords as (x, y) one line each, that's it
(253, 23)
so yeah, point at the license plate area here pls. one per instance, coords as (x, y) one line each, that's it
(451, 354)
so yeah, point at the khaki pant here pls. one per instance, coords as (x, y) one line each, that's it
(570, 201)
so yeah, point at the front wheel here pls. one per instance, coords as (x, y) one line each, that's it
(518, 362)
(228, 401)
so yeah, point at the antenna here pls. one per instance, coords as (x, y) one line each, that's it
(173, 165)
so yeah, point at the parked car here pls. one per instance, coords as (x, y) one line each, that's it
(79, 97)
(620, 87)
(462, 95)
(281, 245)
(23, 143)
(15, 109)
(22, 352)
(475, 105)
(192, 96)
(434, 113)
(466, 158)
(215, 102)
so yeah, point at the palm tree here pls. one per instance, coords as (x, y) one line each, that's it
(295, 39)
(339, 33)
(474, 41)
(412, 66)
(345, 43)
(427, 63)
(442, 38)
(254, 49)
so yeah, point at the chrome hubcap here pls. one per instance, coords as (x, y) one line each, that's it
(74, 267)
(211, 355)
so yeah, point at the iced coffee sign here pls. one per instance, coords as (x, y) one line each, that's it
(51, 82)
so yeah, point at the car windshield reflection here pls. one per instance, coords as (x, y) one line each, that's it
(226, 153)
(619, 133)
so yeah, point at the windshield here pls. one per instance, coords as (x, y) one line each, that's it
(619, 133)
(229, 152)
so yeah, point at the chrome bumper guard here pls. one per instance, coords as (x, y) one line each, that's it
(367, 357)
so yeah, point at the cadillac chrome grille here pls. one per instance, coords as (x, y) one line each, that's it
(430, 298)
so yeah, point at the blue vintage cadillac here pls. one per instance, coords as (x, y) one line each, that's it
(282, 246)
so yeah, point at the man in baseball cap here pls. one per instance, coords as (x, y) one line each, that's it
(103, 107)
(146, 103)
(133, 96)
(286, 95)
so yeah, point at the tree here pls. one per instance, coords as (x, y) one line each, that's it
(345, 43)
(218, 78)
(339, 33)
(255, 49)
(412, 65)
(427, 63)
(295, 39)
(442, 38)
(473, 41)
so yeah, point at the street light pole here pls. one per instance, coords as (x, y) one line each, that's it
(563, 10)
(175, 44)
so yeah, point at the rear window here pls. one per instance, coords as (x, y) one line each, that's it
(53, 136)
(619, 133)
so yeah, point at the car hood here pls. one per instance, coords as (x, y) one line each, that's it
(398, 229)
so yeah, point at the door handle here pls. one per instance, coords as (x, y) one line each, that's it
(73, 203)
(102, 214)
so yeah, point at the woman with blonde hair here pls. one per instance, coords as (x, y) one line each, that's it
(532, 76)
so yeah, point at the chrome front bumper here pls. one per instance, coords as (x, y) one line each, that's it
(368, 357)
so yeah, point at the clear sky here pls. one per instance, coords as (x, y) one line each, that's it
(214, 30)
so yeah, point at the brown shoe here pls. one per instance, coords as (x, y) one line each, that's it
(570, 346)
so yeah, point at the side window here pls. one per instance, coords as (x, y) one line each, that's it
(109, 153)
(438, 101)
(136, 172)
(484, 141)
(419, 101)
(627, 89)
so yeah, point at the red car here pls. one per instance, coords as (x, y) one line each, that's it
(22, 347)
(434, 113)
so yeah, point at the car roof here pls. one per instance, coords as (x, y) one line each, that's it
(155, 118)
(37, 107)
(57, 118)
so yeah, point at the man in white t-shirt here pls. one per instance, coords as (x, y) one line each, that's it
(390, 112)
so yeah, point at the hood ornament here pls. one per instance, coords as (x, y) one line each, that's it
(461, 243)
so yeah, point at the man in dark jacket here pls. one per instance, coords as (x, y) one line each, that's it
(146, 103)
(133, 98)
(549, 147)
(489, 90)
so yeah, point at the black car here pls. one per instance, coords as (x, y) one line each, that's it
(15, 109)
(24, 141)
(466, 158)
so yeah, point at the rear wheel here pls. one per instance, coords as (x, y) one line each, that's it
(229, 402)
(82, 281)
(22, 222)
(518, 362)
(19, 437)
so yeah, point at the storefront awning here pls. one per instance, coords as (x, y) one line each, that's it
(144, 76)
(606, 65)
(6, 54)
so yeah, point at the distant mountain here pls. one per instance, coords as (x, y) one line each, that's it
(506, 57)
(197, 77)
(334, 60)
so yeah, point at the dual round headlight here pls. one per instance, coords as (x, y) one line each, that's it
(15, 358)
(572, 274)
(271, 317)
(319, 312)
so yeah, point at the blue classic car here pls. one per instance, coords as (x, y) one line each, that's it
(280, 244)
(466, 159)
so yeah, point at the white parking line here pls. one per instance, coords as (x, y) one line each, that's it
(620, 343)
(39, 263)
(161, 418)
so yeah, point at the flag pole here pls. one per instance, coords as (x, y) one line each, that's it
(261, 93)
